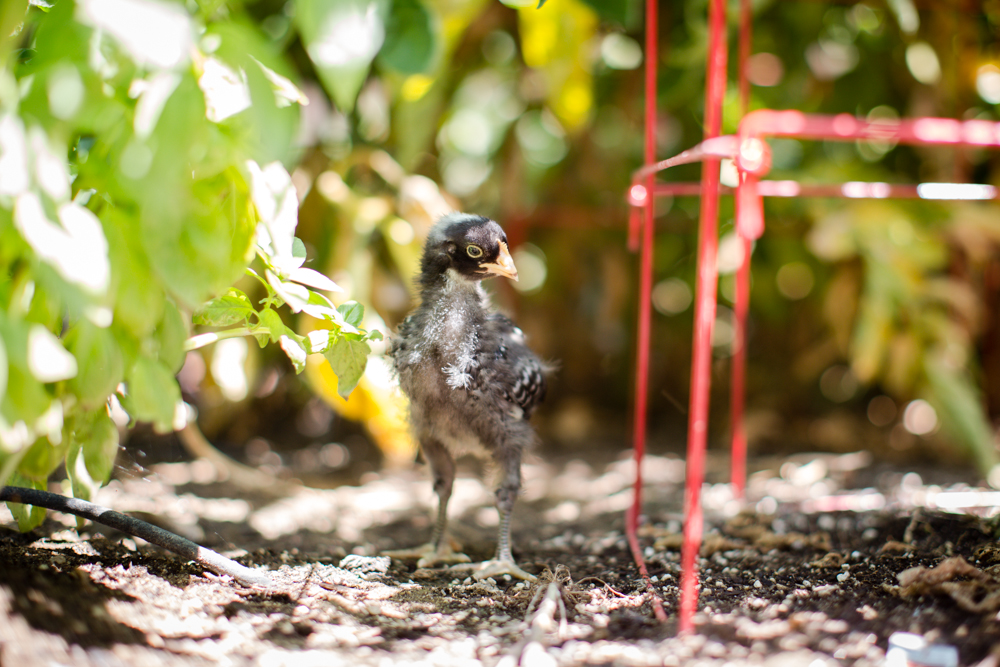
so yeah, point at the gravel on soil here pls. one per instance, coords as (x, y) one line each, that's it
(829, 558)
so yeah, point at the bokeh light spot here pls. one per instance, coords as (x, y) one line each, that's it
(988, 83)
(531, 266)
(881, 410)
(499, 47)
(838, 383)
(671, 296)
(795, 280)
(920, 418)
(724, 330)
(228, 370)
(621, 52)
(470, 131)
(765, 69)
(541, 138)
(923, 63)
(401, 232)
(65, 89)
(730, 253)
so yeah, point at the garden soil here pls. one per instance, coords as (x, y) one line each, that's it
(829, 558)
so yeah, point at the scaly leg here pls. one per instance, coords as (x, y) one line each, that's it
(438, 551)
(510, 484)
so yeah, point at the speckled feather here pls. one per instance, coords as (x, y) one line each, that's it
(471, 380)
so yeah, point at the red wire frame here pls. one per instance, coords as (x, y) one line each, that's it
(751, 156)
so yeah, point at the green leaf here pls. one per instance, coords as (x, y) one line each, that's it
(341, 38)
(269, 125)
(43, 457)
(873, 325)
(622, 12)
(348, 359)
(231, 308)
(409, 38)
(101, 365)
(26, 398)
(196, 231)
(171, 334)
(3, 367)
(318, 341)
(374, 334)
(295, 295)
(153, 393)
(28, 517)
(957, 400)
(139, 298)
(298, 248)
(92, 452)
(296, 352)
(313, 278)
(353, 312)
(322, 308)
(271, 320)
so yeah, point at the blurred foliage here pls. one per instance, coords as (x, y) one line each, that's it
(862, 312)
(534, 116)
(130, 193)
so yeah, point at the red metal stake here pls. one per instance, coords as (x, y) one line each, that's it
(704, 318)
(645, 298)
(738, 464)
(738, 456)
(752, 157)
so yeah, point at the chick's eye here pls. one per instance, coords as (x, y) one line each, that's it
(474, 251)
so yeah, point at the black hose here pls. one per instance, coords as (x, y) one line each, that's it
(147, 531)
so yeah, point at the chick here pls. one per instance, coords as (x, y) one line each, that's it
(471, 380)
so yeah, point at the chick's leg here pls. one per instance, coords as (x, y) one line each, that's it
(439, 550)
(506, 495)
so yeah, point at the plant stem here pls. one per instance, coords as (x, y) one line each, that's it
(201, 340)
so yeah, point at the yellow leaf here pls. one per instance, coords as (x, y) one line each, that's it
(556, 40)
(416, 86)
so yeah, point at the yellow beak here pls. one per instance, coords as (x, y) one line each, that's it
(504, 266)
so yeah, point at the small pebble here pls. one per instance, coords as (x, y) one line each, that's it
(366, 564)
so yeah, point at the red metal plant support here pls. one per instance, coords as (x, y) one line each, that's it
(645, 293)
(751, 156)
(704, 317)
(741, 304)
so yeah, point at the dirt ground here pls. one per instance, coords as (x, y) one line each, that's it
(830, 557)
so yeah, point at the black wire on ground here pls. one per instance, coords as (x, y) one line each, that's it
(154, 535)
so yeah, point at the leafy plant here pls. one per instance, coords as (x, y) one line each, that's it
(909, 326)
(286, 281)
(131, 193)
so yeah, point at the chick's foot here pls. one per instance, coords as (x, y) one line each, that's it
(496, 567)
(429, 555)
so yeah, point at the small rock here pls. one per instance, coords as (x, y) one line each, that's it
(906, 648)
(366, 564)
(534, 655)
